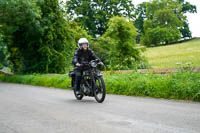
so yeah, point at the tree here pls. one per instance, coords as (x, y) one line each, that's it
(104, 48)
(57, 41)
(163, 23)
(140, 16)
(3, 50)
(186, 8)
(94, 15)
(79, 32)
(40, 38)
(122, 34)
(20, 20)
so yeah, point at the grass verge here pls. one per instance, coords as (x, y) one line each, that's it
(52, 80)
(181, 85)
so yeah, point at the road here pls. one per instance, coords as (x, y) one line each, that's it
(32, 109)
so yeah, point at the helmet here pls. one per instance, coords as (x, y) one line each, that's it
(81, 41)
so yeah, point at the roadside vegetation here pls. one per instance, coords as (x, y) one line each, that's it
(181, 85)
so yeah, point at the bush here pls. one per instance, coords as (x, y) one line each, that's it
(117, 47)
(174, 86)
(57, 81)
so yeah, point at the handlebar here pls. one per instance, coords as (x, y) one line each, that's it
(90, 63)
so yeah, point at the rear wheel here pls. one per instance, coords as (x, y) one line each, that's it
(100, 90)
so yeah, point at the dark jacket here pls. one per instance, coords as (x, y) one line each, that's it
(81, 56)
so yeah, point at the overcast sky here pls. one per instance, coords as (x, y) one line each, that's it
(194, 19)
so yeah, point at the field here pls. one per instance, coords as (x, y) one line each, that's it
(176, 55)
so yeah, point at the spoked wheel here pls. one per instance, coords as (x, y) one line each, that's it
(100, 90)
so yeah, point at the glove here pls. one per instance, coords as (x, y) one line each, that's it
(77, 64)
(101, 63)
(97, 60)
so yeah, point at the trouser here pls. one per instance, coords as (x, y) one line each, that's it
(78, 73)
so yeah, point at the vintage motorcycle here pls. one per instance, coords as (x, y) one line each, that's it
(92, 83)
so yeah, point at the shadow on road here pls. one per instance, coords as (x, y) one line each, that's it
(83, 101)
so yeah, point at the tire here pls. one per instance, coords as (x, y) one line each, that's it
(100, 90)
(78, 97)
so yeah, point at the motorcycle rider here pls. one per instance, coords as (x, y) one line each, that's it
(81, 55)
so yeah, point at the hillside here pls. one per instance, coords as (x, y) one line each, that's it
(176, 55)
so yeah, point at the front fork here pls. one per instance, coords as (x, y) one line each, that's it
(94, 86)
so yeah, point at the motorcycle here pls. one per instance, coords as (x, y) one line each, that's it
(92, 83)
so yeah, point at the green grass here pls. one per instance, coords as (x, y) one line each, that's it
(52, 80)
(181, 85)
(169, 56)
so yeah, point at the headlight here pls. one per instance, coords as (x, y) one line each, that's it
(93, 64)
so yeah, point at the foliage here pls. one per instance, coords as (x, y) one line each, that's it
(57, 81)
(102, 48)
(150, 10)
(117, 47)
(160, 36)
(185, 31)
(20, 30)
(94, 14)
(186, 8)
(57, 42)
(40, 39)
(78, 31)
(14, 27)
(163, 23)
(181, 85)
(124, 52)
(140, 14)
(174, 86)
(3, 50)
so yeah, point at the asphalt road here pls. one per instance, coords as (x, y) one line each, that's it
(31, 109)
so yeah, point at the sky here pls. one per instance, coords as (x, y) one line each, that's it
(193, 19)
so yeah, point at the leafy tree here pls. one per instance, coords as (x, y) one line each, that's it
(79, 32)
(186, 8)
(94, 15)
(121, 34)
(163, 23)
(140, 14)
(161, 35)
(20, 20)
(104, 48)
(3, 50)
(57, 42)
(39, 39)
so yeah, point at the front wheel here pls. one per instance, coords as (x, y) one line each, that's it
(99, 90)
(78, 97)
